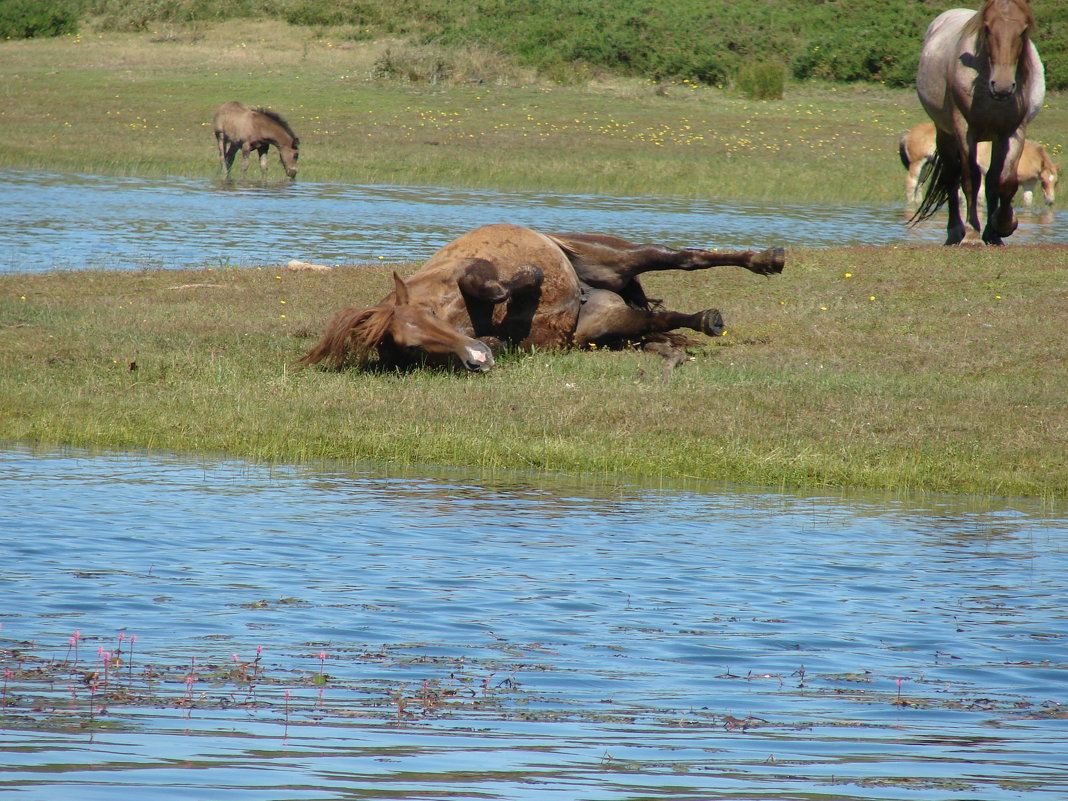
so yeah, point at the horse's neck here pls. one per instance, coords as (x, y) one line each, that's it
(274, 131)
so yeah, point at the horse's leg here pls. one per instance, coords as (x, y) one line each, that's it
(263, 159)
(220, 144)
(950, 178)
(608, 262)
(245, 149)
(605, 317)
(1001, 185)
(481, 282)
(231, 152)
(1027, 192)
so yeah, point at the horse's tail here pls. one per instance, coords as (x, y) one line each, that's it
(903, 150)
(937, 179)
(351, 336)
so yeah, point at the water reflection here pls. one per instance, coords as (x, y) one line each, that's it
(61, 221)
(520, 636)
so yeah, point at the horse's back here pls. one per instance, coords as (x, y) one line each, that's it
(508, 248)
(229, 117)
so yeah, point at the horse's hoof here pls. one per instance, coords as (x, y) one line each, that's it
(526, 278)
(711, 322)
(1007, 230)
(768, 262)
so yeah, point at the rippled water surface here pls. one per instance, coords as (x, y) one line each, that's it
(72, 222)
(249, 632)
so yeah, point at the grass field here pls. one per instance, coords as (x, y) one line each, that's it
(142, 105)
(922, 369)
(909, 369)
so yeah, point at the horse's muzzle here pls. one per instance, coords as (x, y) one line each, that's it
(478, 358)
(1000, 92)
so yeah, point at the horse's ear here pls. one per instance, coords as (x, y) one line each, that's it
(401, 289)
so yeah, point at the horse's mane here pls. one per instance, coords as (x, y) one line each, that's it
(974, 26)
(274, 115)
(352, 335)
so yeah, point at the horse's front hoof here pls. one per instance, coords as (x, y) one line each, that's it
(768, 262)
(1007, 229)
(711, 322)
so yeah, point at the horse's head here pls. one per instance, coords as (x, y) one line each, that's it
(1006, 26)
(289, 155)
(1048, 177)
(415, 328)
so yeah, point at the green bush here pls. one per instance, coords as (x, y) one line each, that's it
(761, 80)
(711, 41)
(26, 19)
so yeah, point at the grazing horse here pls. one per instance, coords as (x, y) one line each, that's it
(916, 147)
(505, 285)
(1034, 169)
(238, 126)
(980, 80)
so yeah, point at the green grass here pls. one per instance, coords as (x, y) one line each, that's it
(927, 369)
(136, 104)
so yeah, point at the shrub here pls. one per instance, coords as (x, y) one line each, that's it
(761, 80)
(26, 19)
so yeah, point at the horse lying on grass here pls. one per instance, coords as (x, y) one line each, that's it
(504, 285)
(238, 127)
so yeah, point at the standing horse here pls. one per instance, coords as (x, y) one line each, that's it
(980, 80)
(504, 285)
(238, 126)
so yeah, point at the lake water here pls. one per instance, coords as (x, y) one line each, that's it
(330, 632)
(74, 222)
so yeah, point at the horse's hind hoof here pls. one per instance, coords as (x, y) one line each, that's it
(768, 262)
(711, 322)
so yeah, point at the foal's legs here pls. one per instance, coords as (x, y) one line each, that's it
(221, 141)
(228, 158)
(263, 159)
(605, 317)
(608, 262)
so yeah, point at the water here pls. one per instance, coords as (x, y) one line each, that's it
(436, 635)
(74, 222)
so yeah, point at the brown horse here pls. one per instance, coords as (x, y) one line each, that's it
(504, 285)
(980, 80)
(239, 127)
(916, 147)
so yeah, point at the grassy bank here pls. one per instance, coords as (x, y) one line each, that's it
(909, 369)
(141, 104)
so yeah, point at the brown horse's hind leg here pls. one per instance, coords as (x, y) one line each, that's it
(605, 318)
(608, 262)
